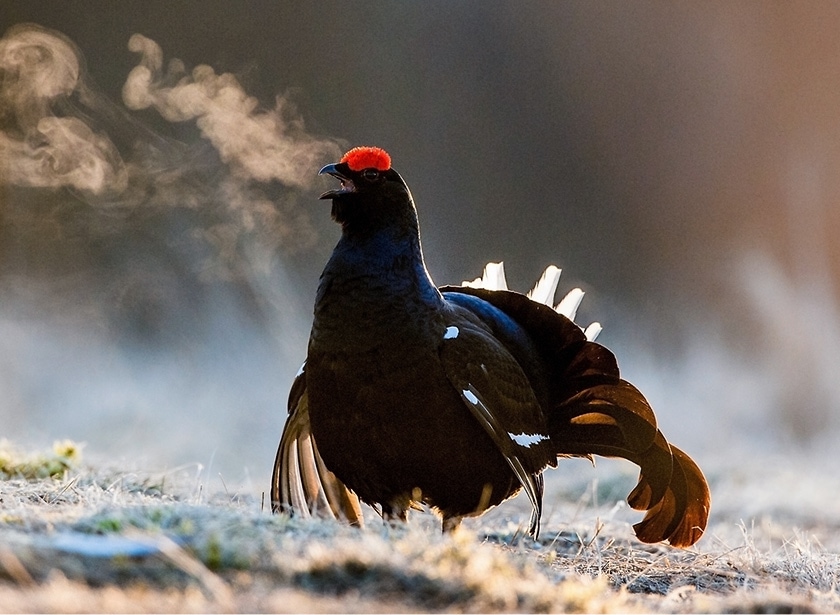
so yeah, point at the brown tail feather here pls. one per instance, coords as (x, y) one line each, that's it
(656, 466)
(613, 419)
(610, 417)
(681, 516)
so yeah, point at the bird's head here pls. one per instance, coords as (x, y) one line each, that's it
(371, 193)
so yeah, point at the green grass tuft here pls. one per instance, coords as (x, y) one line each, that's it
(65, 455)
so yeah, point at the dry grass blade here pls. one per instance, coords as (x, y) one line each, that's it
(106, 541)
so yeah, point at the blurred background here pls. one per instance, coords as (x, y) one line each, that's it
(161, 237)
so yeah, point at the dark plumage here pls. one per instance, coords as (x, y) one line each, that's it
(455, 397)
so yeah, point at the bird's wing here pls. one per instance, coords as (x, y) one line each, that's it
(301, 483)
(496, 391)
(592, 410)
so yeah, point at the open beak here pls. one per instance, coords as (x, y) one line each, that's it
(346, 187)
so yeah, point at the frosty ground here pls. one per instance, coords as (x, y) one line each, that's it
(84, 537)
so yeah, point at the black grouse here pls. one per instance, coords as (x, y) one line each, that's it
(454, 397)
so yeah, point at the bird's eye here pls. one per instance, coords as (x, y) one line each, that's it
(370, 174)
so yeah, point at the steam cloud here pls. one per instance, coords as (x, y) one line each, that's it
(140, 275)
(40, 149)
(37, 148)
(262, 145)
(54, 132)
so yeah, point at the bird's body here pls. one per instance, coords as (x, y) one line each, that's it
(374, 352)
(456, 397)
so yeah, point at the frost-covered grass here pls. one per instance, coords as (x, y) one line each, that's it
(93, 539)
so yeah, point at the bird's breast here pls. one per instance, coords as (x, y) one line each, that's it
(357, 312)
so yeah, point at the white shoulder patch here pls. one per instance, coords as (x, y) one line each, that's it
(527, 440)
(451, 333)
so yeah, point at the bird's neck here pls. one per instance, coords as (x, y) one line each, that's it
(375, 287)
